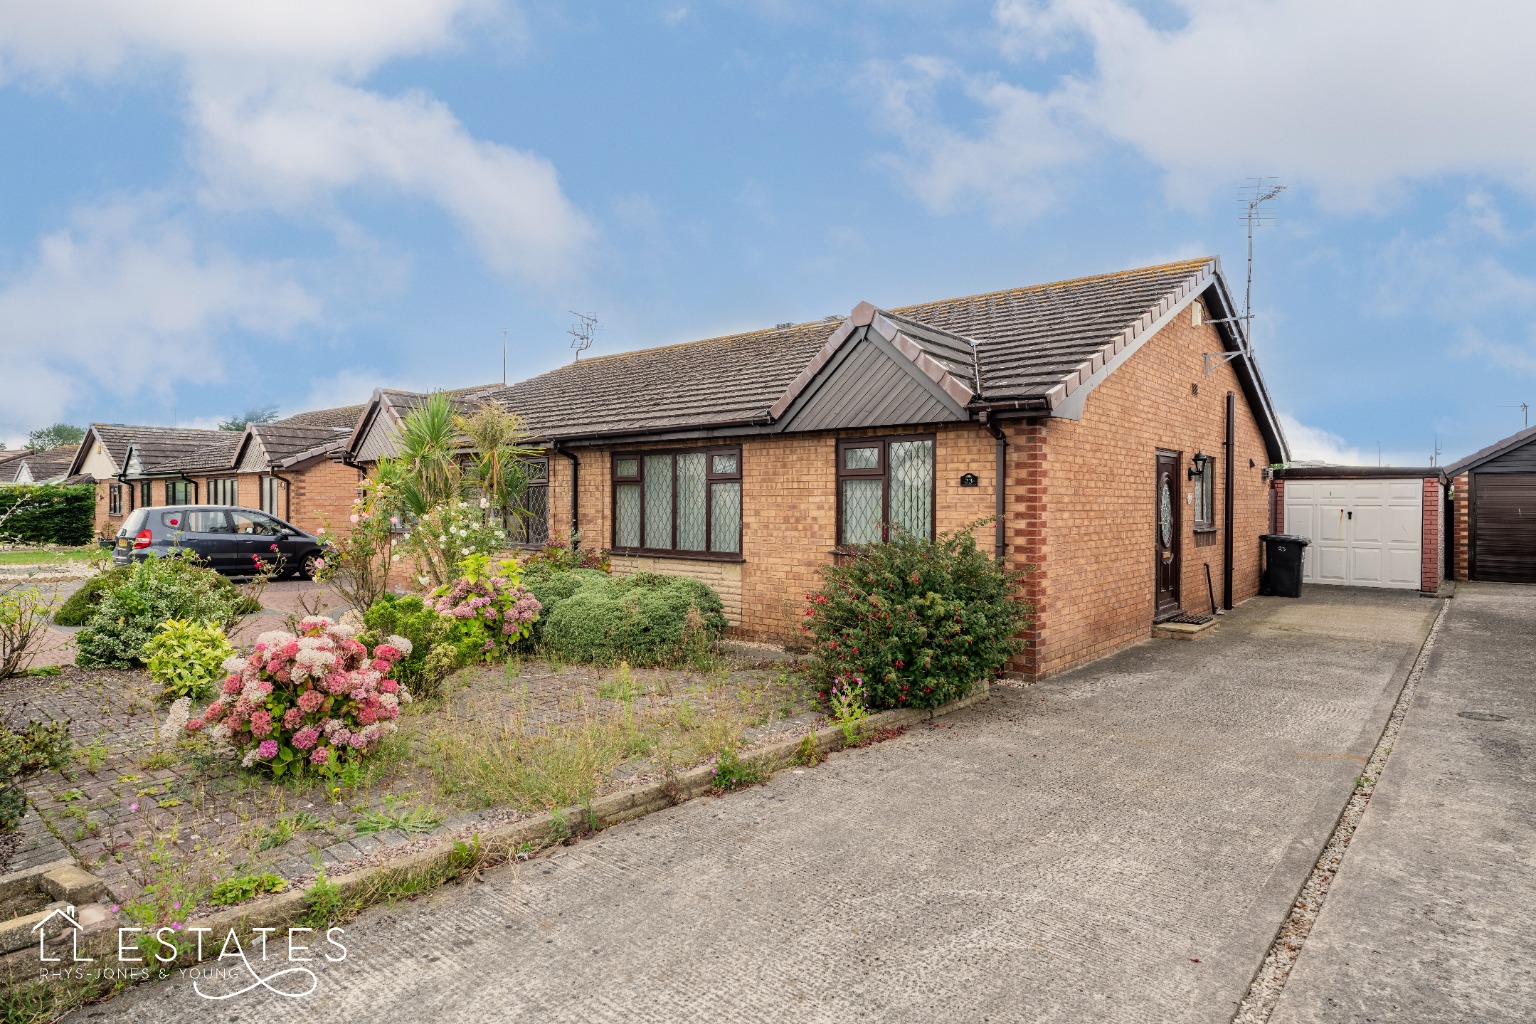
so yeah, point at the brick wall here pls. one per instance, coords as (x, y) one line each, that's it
(1460, 527)
(1277, 508)
(1083, 508)
(789, 515)
(1433, 564)
(323, 493)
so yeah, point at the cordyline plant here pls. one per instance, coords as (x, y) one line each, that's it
(311, 700)
(918, 622)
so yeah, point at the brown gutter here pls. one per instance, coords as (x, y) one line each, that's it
(1000, 543)
(554, 446)
(1228, 502)
(1027, 405)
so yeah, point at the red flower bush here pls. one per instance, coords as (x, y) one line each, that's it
(310, 700)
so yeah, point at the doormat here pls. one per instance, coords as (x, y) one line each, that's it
(1189, 618)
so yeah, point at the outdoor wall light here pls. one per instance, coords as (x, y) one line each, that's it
(1198, 463)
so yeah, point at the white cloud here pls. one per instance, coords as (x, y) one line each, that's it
(1351, 99)
(1012, 161)
(289, 144)
(1313, 444)
(279, 119)
(125, 301)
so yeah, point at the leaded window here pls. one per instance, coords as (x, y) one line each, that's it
(678, 502)
(529, 522)
(884, 484)
(1203, 473)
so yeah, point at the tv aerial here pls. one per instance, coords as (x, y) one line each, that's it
(1257, 192)
(581, 332)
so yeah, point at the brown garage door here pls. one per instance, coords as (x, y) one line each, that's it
(1504, 527)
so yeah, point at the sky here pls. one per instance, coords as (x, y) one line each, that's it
(210, 207)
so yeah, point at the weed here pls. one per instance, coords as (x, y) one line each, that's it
(849, 707)
(323, 903)
(245, 887)
(731, 772)
(413, 821)
(159, 759)
(70, 796)
(622, 688)
(44, 670)
(94, 755)
(284, 828)
(806, 753)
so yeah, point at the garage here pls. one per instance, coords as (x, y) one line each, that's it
(1368, 526)
(1495, 498)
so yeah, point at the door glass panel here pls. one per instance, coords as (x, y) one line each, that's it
(626, 519)
(658, 501)
(690, 502)
(251, 525)
(207, 522)
(861, 458)
(862, 515)
(725, 518)
(1164, 513)
(912, 487)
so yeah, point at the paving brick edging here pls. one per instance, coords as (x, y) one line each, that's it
(445, 859)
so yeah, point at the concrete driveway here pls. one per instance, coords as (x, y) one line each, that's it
(1430, 917)
(1119, 843)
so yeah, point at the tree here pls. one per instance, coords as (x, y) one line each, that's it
(260, 414)
(43, 438)
(502, 468)
(426, 473)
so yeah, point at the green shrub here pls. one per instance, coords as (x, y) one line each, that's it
(49, 514)
(154, 590)
(433, 656)
(23, 627)
(644, 619)
(915, 622)
(26, 751)
(81, 605)
(551, 586)
(186, 657)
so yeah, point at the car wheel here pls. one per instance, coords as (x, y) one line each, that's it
(311, 565)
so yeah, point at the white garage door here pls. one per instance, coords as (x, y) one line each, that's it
(1364, 533)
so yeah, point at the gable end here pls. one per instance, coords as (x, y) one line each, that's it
(868, 382)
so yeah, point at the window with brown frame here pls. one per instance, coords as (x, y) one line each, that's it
(114, 499)
(1203, 473)
(178, 492)
(681, 502)
(884, 482)
(528, 524)
(224, 490)
(146, 494)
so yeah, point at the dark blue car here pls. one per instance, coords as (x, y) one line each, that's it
(226, 539)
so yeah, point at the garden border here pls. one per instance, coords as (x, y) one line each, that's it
(452, 856)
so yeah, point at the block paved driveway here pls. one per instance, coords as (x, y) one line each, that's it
(1430, 917)
(1119, 843)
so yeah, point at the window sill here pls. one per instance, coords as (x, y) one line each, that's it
(1205, 529)
(675, 556)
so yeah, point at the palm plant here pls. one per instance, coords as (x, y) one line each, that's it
(426, 473)
(501, 470)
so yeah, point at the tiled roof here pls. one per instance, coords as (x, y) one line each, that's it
(279, 441)
(43, 465)
(1029, 341)
(161, 449)
(210, 457)
(1029, 348)
(342, 417)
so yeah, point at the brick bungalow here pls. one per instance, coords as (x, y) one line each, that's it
(1111, 425)
(291, 469)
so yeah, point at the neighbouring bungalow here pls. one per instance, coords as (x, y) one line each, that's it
(291, 468)
(1111, 426)
(50, 466)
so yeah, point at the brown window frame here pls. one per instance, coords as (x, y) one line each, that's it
(1205, 478)
(146, 494)
(183, 485)
(114, 499)
(883, 474)
(218, 483)
(519, 528)
(710, 478)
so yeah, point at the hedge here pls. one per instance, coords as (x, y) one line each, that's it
(48, 514)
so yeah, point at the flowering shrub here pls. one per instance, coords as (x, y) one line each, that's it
(149, 593)
(310, 700)
(446, 535)
(917, 622)
(357, 557)
(431, 656)
(488, 607)
(560, 555)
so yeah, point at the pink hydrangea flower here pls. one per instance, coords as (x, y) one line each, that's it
(310, 701)
(268, 750)
(320, 755)
(305, 738)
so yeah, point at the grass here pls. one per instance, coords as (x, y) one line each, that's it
(53, 556)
